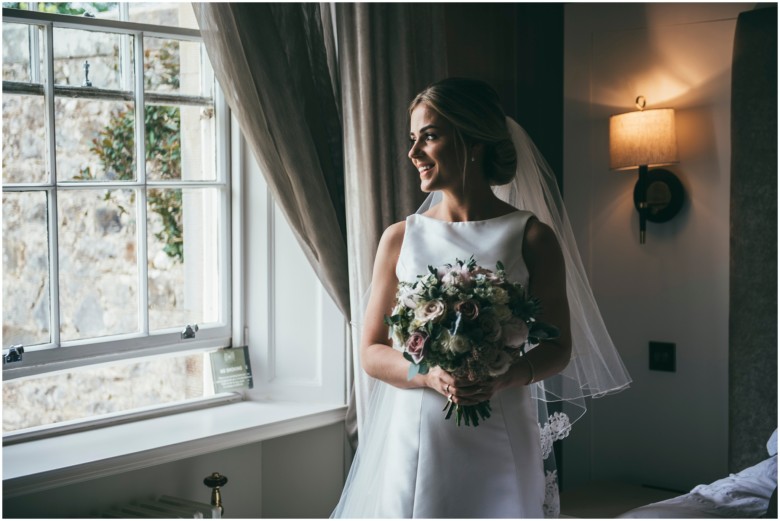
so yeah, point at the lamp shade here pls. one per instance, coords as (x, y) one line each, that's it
(645, 137)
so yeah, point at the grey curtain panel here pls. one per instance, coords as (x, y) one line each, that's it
(753, 267)
(386, 54)
(298, 77)
(272, 63)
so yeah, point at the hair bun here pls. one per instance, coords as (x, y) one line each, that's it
(501, 162)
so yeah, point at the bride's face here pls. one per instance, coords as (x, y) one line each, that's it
(434, 151)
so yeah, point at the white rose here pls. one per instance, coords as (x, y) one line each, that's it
(459, 344)
(515, 332)
(498, 362)
(490, 327)
(408, 296)
(503, 313)
(431, 311)
(499, 296)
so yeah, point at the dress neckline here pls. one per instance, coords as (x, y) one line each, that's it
(482, 221)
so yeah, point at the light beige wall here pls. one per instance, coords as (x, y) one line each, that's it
(669, 429)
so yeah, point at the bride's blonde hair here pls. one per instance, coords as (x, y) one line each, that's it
(473, 108)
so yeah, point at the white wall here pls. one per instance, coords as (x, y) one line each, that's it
(294, 476)
(668, 429)
(295, 332)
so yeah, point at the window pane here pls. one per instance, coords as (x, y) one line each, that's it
(95, 139)
(24, 139)
(173, 66)
(25, 269)
(74, 48)
(98, 263)
(93, 391)
(17, 42)
(184, 271)
(180, 143)
(176, 14)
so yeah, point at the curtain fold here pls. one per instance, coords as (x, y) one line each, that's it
(387, 53)
(302, 88)
(272, 64)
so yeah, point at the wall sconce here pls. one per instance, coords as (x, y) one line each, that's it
(643, 139)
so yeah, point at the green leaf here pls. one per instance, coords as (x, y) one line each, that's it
(500, 266)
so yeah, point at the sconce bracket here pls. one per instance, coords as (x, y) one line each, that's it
(663, 193)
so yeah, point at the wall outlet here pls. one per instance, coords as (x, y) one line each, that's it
(663, 357)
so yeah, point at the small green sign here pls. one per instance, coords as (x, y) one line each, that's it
(231, 370)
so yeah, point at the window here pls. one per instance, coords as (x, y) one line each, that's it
(116, 192)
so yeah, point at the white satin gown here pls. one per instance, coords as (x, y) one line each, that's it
(412, 463)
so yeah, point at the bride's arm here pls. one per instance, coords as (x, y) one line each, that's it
(377, 356)
(546, 282)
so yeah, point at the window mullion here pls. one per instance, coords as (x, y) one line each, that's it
(54, 256)
(140, 163)
(124, 51)
(34, 41)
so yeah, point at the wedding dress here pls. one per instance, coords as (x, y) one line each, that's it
(413, 463)
(429, 466)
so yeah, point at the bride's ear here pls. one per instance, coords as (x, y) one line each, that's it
(477, 152)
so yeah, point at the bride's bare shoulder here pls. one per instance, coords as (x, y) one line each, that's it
(392, 238)
(539, 242)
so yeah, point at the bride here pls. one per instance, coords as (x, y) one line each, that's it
(489, 200)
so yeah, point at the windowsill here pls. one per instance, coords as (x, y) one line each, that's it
(48, 463)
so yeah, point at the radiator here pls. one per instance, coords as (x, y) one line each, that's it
(164, 507)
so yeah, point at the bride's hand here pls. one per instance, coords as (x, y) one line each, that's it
(441, 381)
(472, 393)
(462, 391)
(476, 392)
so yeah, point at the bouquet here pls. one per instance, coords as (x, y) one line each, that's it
(470, 321)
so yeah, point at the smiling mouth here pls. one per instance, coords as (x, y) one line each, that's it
(424, 168)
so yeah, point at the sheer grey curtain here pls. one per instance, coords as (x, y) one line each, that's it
(272, 64)
(386, 54)
(298, 77)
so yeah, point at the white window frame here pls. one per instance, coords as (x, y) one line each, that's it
(58, 355)
(282, 395)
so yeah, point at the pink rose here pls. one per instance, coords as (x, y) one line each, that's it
(415, 346)
(515, 332)
(468, 309)
(455, 276)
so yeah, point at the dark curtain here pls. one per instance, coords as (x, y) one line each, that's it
(753, 242)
